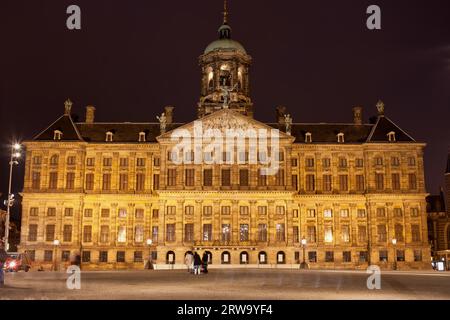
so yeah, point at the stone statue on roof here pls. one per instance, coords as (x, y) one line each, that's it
(162, 122)
(288, 123)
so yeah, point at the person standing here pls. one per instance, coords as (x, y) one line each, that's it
(205, 259)
(3, 258)
(188, 260)
(197, 263)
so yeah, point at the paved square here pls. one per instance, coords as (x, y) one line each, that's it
(245, 284)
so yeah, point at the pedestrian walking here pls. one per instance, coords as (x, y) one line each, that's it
(205, 259)
(197, 263)
(189, 261)
(3, 258)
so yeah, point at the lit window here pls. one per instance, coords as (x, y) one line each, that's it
(327, 213)
(122, 234)
(308, 137)
(328, 237)
(141, 136)
(340, 137)
(391, 136)
(109, 136)
(57, 135)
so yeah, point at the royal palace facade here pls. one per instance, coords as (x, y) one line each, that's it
(117, 193)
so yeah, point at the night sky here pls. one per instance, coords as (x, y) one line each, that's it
(131, 58)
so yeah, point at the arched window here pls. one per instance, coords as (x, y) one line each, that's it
(240, 78)
(109, 136)
(226, 257)
(225, 75)
(340, 137)
(262, 257)
(209, 254)
(57, 135)
(141, 136)
(391, 136)
(243, 258)
(281, 257)
(170, 257)
(54, 159)
(210, 80)
(308, 137)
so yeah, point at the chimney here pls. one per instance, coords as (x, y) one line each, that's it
(357, 115)
(281, 111)
(90, 114)
(168, 111)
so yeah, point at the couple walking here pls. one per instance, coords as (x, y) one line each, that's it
(195, 264)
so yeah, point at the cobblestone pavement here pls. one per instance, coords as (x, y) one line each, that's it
(233, 284)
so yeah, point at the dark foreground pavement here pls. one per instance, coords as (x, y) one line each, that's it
(232, 284)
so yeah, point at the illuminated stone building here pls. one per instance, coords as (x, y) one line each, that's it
(105, 189)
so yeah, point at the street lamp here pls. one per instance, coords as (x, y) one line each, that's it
(303, 265)
(15, 154)
(394, 243)
(55, 259)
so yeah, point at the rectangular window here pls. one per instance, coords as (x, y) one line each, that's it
(309, 162)
(122, 213)
(342, 163)
(68, 212)
(243, 232)
(262, 179)
(262, 232)
(412, 181)
(295, 234)
(381, 212)
(189, 232)
(398, 213)
(378, 161)
(226, 177)
(170, 232)
(155, 181)
(411, 161)
(295, 213)
(326, 162)
(53, 180)
(328, 234)
(294, 180)
(207, 232)
(395, 161)
(243, 210)
(34, 212)
(122, 234)
(171, 210)
(139, 214)
(71, 161)
(262, 210)
(138, 256)
(343, 182)
(107, 162)
(344, 213)
(139, 234)
(87, 234)
(310, 213)
(155, 234)
(189, 210)
(172, 177)
(312, 256)
(311, 234)
(140, 182)
(294, 162)
(345, 233)
(155, 213)
(417, 255)
(361, 213)
(280, 232)
(50, 232)
(396, 181)
(140, 162)
(189, 177)
(123, 182)
(360, 182)
(379, 181)
(398, 229)
(88, 213)
(90, 162)
(359, 163)
(329, 256)
(67, 233)
(37, 160)
(48, 255)
(362, 234)
(36, 180)
(106, 183)
(65, 255)
(383, 254)
(104, 213)
(90, 181)
(51, 212)
(310, 182)
(279, 178)
(243, 177)
(414, 212)
(381, 233)
(208, 177)
(226, 210)
(226, 232)
(104, 234)
(280, 210)
(32, 232)
(156, 161)
(415, 233)
(363, 256)
(120, 256)
(123, 162)
(326, 182)
(328, 213)
(347, 256)
(103, 256)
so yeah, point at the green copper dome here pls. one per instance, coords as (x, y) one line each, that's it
(224, 42)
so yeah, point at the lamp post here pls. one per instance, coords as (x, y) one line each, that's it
(15, 154)
(55, 259)
(150, 259)
(303, 265)
(394, 243)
